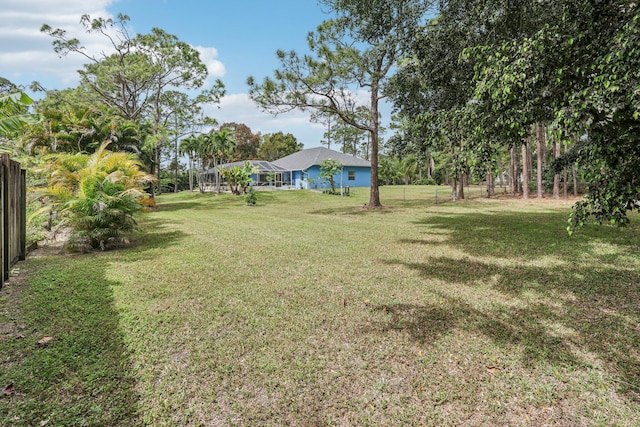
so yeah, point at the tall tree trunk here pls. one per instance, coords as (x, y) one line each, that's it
(374, 194)
(218, 175)
(525, 171)
(515, 172)
(155, 152)
(530, 157)
(490, 187)
(201, 174)
(175, 159)
(432, 167)
(454, 188)
(156, 161)
(190, 173)
(512, 173)
(564, 180)
(461, 175)
(575, 180)
(540, 152)
(556, 177)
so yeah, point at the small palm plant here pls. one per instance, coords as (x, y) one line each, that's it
(98, 194)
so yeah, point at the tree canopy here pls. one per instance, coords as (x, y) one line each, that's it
(146, 79)
(277, 145)
(481, 74)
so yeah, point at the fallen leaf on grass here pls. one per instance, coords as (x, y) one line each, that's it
(45, 340)
(9, 390)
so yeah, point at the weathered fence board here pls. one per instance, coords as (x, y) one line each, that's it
(13, 215)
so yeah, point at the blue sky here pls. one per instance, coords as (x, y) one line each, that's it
(245, 33)
(236, 39)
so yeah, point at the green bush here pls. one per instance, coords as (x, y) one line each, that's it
(426, 181)
(98, 195)
(103, 211)
(251, 198)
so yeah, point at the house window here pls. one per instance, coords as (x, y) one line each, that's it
(352, 175)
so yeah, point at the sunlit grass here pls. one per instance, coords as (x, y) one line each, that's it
(308, 309)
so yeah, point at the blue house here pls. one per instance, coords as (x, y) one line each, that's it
(300, 170)
(304, 167)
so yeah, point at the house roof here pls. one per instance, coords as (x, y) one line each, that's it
(263, 165)
(304, 159)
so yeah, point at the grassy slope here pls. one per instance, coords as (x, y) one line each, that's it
(307, 310)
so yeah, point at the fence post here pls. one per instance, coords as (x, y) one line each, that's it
(6, 220)
(3, 231)
(13, 215)
(23, 215)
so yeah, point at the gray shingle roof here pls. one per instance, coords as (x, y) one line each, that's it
(304, 159)
(262, 164)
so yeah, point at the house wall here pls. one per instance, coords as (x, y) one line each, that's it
(298, 180)
(361, 178)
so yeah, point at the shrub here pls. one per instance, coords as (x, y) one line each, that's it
(251, 198)
(426, 181)
(98, 195)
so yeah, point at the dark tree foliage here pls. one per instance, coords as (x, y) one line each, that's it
(486, 71)
(247, 142)
(274, 146)
(580, 71)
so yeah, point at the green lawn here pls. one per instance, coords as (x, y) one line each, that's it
(308, 310)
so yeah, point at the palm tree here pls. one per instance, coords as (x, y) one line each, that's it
(223, 144)
(189, 146)
(99, 193)
(408, 167)
(13, 113)
(205, 151)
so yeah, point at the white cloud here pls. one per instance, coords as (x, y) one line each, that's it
(208, 56)
(216, 69)
(27, 54)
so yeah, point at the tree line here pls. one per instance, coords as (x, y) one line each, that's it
(482, 90)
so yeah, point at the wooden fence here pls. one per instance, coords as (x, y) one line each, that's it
(13, 214)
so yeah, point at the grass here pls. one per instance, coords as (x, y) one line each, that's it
(308, 310)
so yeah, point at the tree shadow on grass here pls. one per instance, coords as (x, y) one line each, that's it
(428, 322)
(200, 204)
(597, 306)
(517, 234)
(180, 205)
(353, 210)
(156, 233)
(83, 376)
(586, 298)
